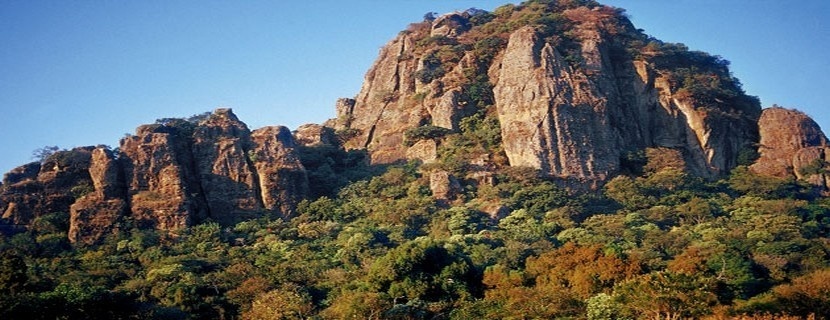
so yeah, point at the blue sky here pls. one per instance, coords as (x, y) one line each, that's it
(76, 73)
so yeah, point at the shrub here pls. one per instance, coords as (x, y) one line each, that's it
(423, 133)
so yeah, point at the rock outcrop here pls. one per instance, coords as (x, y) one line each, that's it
(283, 179)
(168, 176)
(158, 168)
(572, 114)
(228, 179)
(98, 213)
(29, 192)
(551, 118)
(792, 146)
(406, 88)
(784, 133)
(314, 134)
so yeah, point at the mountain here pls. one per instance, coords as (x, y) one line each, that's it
(545, 160)
(576, 92)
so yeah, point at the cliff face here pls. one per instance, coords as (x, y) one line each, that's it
(167, 176)
(99, 213)
(571, 102)
(158, 168)
(283, 181)
(227, 177)
(405, 88)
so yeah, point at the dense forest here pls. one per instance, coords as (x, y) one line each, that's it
(376, 242)
(661, 244)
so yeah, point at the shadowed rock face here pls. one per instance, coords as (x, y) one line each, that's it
(227, 178)
(282, 179)
(99, 213)
(29, 192)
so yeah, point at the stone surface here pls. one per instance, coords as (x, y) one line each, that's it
(61, 178)
(314, 134)
(283, 179)
(221, 145)
(545, 123)
(783, 133)
(98, 213)
(160, 182)
(450, 25)
(443, 185)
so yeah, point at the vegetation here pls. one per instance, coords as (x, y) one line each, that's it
(660, 244)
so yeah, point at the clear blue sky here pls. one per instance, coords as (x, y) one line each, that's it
(76, 73)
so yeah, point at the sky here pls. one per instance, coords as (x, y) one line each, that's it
(76, 73)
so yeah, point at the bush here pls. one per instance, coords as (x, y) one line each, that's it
(423, 133)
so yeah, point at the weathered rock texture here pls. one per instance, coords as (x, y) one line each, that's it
(98, 213)
(792, 145)
(784, 133)
(406, 88)
(283, 180)
(29, 192)
(221, 144)
(158, 168)
(167, 176)
(310, 135)
(573, 114)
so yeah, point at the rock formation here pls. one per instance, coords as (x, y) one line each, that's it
(221, 145)
(157, 164)
(283, 180)
(99, 212)
(565, 89)
(168, 176)
(792, 146)
(572, 114)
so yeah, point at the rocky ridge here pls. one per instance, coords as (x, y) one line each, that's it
(167, 176)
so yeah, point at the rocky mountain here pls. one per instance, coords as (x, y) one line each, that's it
(574, 92)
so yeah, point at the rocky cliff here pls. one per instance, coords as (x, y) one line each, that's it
(574, 89)
(569, 89)
(167, 176)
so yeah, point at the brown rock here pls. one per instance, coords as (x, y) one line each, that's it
(784, 133)
(228, 181)
(344, 109)
(393, 100)
(314, 134)
(98, 213)
(25, 172)
(61, 179)
(443, 185)
(283, 179)
(424, 150)
(159, 178)
(545, 122)
(450, 25)
(91, 218)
